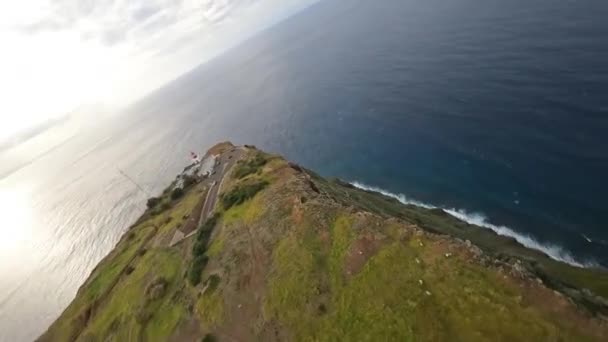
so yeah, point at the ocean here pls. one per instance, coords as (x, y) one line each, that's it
(496, 111)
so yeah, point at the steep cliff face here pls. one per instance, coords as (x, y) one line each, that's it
(263, 249)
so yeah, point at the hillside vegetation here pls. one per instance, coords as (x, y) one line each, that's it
(290, 256)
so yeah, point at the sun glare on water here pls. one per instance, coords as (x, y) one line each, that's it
(16, 220)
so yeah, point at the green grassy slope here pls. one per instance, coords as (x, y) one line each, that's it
(293, 256)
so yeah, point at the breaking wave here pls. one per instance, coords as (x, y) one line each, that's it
(553, 251)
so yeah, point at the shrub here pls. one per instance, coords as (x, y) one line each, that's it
(198, 264)
(213, 282)
(251, 166)
(198, 248)
(165, 205)
(203, 235)
(200, 260)
(129, 270)
(142, 314)
(242, 193)
(152, 202)
(189, 181)
(209, 338)
(209, 223)
(177, 193)
(156, 289)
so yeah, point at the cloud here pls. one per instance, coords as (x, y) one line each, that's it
(65, 53)
(112, 36)
(112, 22)
(144, 12)
(44, 25)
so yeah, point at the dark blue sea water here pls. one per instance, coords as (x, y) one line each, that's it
(492, 107)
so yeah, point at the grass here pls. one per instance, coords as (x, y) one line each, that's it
(128, 298)
(111, 267)
(594, 280)
(388, 298)
(341, 238)
(247, 212)
(210, 308)
(560, 276)
(378, 304)
(293, 284)
(406, 291)
(161, 325)
(184, 207)
(216, 247)
(107, 273)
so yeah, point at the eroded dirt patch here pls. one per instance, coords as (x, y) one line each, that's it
(360, 251)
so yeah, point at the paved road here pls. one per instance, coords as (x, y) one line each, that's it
(224, 163)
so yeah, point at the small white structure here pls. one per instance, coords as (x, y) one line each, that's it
(195, 158)
(207, 165)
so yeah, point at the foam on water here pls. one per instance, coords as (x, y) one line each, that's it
(554, 251)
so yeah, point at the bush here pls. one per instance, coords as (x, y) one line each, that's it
(198, 249)
(189, 181)
(198, 264)
(152, 202)
(200, 260)
(177, 193)
(129, 270)
(203, 235)
(143, 314)
(242, 193)
(209, 223)
(156, 289)
(209, 338)
(213, 282)
(251, 166)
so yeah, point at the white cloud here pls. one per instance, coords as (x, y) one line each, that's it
(58, 54)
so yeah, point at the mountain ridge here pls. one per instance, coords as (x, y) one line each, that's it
(281, 253)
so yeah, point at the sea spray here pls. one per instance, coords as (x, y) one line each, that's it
(554, 251)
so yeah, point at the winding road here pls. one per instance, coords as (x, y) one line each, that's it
(223, 163)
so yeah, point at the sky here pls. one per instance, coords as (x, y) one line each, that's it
(59, 56)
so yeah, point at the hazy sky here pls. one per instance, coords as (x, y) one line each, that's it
(59, 54)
